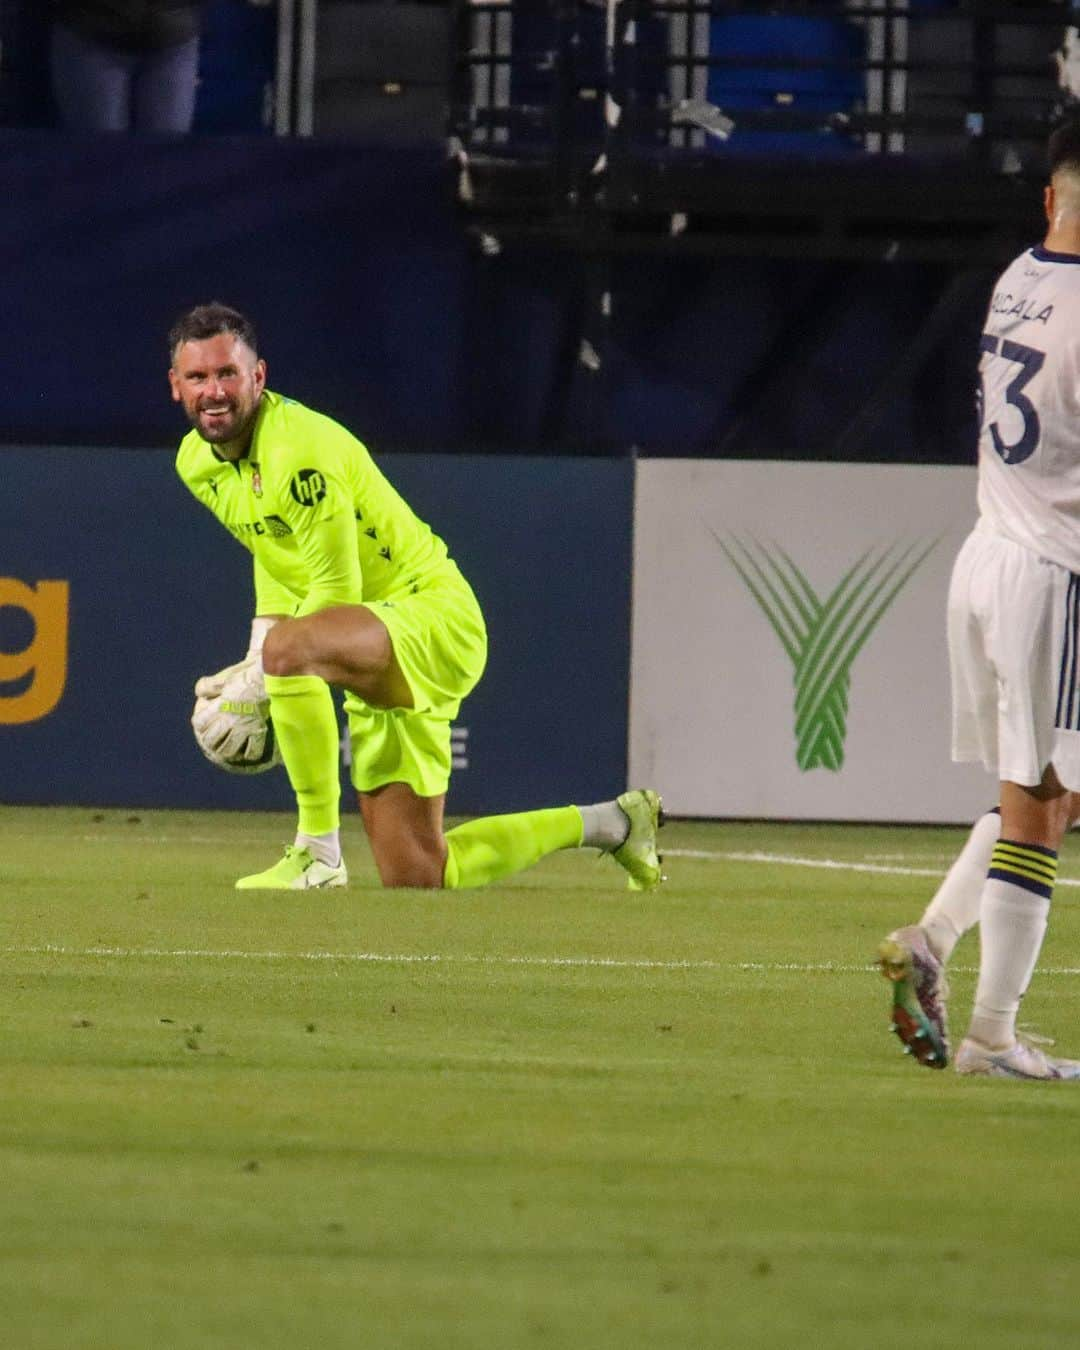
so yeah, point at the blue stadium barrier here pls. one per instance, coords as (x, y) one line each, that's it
(117, 589)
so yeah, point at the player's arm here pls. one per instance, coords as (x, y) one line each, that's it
(273, 601)
(326, 543)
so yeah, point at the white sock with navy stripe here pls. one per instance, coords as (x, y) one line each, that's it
(1013, 916)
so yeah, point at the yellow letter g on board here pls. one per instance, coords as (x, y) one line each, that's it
(45, 659)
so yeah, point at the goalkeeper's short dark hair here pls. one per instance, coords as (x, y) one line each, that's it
(208, 321)
(1063, 148)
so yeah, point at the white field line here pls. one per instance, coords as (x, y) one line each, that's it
(828, 864)
(410, 958)
(433, 959)
(792, 860)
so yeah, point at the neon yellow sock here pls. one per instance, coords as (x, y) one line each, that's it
(482, 851)
(305, 724)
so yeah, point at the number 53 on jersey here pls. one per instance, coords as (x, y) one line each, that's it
(1004, 408)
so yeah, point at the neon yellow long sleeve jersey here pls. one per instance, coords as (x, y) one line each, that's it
(324, 525)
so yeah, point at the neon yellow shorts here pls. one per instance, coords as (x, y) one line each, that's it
(441, 646)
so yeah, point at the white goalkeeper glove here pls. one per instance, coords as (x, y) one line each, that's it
(231, 719)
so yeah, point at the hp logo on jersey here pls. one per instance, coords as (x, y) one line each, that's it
(308, 486)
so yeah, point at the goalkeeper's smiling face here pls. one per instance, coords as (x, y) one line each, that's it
(219, 381)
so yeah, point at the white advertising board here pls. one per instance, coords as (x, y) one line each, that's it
(789, 657)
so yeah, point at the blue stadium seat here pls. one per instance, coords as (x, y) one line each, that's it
(766, 83)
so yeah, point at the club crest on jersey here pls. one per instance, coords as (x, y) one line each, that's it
(308, 486)
(256, 480)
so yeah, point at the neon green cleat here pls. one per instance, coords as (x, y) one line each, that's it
(299, 870)
(637, 853)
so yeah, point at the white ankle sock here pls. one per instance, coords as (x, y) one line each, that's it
(955, 907)
(1012, 924)
(324, 848)
(604, 825)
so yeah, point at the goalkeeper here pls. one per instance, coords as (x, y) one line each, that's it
(353, 590)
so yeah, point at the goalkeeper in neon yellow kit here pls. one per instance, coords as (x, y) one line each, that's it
(353, 590)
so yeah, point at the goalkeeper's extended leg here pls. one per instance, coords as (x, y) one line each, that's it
(350, 646)
(410, 849)
(305, 723)
(492, 847)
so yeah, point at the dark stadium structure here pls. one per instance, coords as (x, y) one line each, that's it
(910, 130)
(583, 226)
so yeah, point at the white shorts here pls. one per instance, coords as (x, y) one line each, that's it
(1013, 624)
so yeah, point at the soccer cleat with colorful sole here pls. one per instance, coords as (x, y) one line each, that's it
(298, 870)
(919, 992)
(637, 853)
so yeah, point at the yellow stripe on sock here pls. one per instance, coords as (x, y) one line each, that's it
(1033, 869)
(1010, 856)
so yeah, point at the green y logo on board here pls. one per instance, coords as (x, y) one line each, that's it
(823, 635)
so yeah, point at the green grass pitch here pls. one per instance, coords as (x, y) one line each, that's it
(549, 1114)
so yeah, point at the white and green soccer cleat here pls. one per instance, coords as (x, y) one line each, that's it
(299, 870)
(637, 853)
(1022, 1059)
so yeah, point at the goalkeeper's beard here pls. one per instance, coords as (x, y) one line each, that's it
(232, 425)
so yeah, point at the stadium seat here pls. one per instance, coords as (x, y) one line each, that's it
(763, 82)
(382, 70)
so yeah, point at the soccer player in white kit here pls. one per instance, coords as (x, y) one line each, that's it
(1014, 651)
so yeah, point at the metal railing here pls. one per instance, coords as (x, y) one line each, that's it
(664, 77)
(294, 83)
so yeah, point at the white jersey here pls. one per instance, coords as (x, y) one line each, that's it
(1029, 440)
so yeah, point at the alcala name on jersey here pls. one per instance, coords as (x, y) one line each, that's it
(1007, 304)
